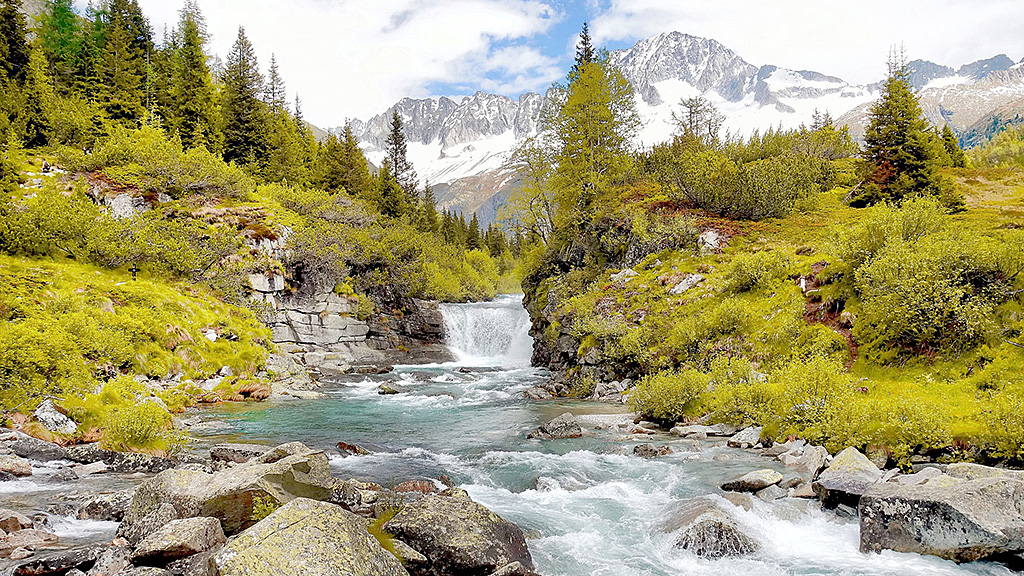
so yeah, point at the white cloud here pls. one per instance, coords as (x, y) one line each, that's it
(841, 38)
(353, 58)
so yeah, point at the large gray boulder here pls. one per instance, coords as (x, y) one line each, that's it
(53, 419)
(564, 426)
(308, 538)
(707, 531)
(746, 438)
(846, 479)
(32, 448)
(179, 539)
(237, 453)
(959, 520)
(753, 481)
(284, 473)
(459, 536)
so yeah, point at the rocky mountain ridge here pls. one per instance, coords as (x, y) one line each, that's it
(461, 147)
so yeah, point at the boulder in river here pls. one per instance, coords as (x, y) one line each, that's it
(959, 520)
(651, 451)
(32, 448)
(459, 536)
(53, 419)
(15, 466)
(309, 538)
(286, 472)
(11, 521)
(237, 452)
(708, 531)
(179, 539)
(746, 438)
(347, 449)
(846, 479)
(564, 426)
(753, 481)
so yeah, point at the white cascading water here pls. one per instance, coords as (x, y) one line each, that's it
(490, 333)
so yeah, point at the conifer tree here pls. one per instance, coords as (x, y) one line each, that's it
(395, 146)
(192, 91)
(585, 53)
(244, 117)
(431, 223)
(957, 157)
(60, 40)
(391, 199)
(277, 95)
(14, 48)
(902, 151)
(121, 75)
(473, 239)
(89, 64)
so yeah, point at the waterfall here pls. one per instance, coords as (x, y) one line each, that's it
(489, 333)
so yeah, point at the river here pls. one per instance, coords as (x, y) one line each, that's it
(587, 506)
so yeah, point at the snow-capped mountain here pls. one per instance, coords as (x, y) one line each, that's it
(461, 147)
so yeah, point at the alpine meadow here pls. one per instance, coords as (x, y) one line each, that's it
(592, 297)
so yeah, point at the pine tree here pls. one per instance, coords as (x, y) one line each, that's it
(89, 65)
(473, 239)
(277, 95)
(431, 222)
(191, 90)
(395, 147)
(957, 157)
(14, 48)
(585, 53)
(902, 151)
(341, 164)
(391, 199)
(60, 40)
(244, 115)
(121, 77)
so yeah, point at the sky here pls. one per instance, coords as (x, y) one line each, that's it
(355, 58)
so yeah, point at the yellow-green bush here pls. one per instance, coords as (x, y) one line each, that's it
(669, 396)
(811, 401)
(756, 271)
(739, 394)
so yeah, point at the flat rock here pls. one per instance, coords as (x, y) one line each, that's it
(746, 438)
(57, 561)
(15, 466)
(651, 451)
(11, 521)
(178, 539)
(753, 481)
(107, 507)
(308, 538)
(27, 538)
(237, 452)
(772, 493)
(846, 479)
(564, 426)
(962, 521)
(459, 536)
(33, 448)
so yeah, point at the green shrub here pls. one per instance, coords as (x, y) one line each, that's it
(739, 394)
(669, 396)
(756, 271)
(904, 427)
(1003, 427)
(811, 401)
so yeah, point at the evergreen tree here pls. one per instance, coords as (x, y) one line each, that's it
(244, 117)
(277, 95)
(121, 74)
(60, 40)
(957, 157)
(585, 53)
(395, 147)
(192, 92)
(902, 151)
(391, 199)
(431, 222)
(39, 103)
(473, 239)
(14, 48)
(341, 164)
(89, 64)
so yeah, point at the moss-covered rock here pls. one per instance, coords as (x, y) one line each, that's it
(459, 536)
(309, 538)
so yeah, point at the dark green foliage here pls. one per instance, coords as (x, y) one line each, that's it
(341, 164)
(585, 52)
(60, 40)
(957, 157)
(122, 74)
(191, 92)
(14, 49)
(396, 160)
(244, 113)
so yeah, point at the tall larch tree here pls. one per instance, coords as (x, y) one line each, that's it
(396, 150)
(243, 110)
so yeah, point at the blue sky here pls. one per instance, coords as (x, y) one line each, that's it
(355, 58)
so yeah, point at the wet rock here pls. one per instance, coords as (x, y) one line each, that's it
(120, 462)
(83, 470)
(564, 426)
(58, 561)
(347, 449)
(286, 472)
(26, 538)
(963, 521)
(391, 389)
(135, 530)
(53, 419)
(32, 448)
(513, 569)
(113, 560)
(739, 499)
(178, 539)
(753, 481)
(803, 491)
(21, 554)
(708, 531)
(651, 451)
(325, 538)
(846, 479)
(15, 466)
(772, 493)
(11, 521)
(420, 486)
(459, 536)
(106, 507)
(747, 438)
(537, 393)
(237, 452)
(810, 459)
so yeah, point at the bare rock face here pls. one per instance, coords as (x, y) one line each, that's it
(708, 531)
(309, 538)
(955, 519)
(459, 536)
(746, 438)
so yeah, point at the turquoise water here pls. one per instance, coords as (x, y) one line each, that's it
(587, 506)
